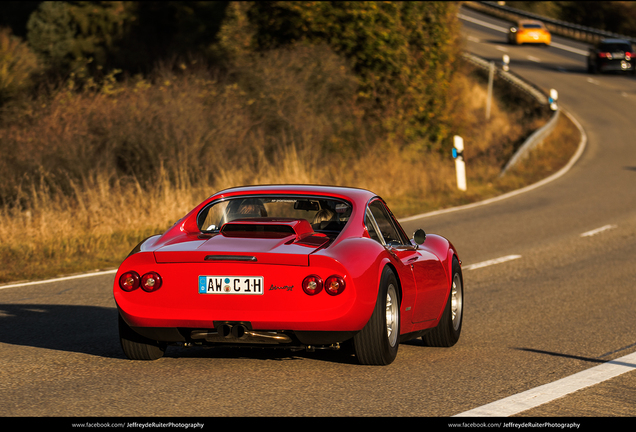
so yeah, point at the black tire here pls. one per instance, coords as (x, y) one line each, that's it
(377, 343)
(137, 347)
(594, 69)
(447, 332)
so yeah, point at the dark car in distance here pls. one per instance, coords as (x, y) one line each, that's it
(612, 55)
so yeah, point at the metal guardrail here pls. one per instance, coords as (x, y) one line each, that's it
(531, 142)
(537, 136)
(509, 77)
(561, 28)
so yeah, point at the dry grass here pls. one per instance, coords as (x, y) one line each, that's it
(116, 166)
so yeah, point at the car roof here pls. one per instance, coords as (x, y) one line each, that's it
(615, 41)
(351, 193)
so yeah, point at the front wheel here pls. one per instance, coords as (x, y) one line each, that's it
(377, 343)
(447, 332)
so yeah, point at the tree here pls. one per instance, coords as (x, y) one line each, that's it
(403, 52)
(70, 34)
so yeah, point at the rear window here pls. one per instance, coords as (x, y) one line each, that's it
(327, 215)
(531, 26)
(614, 47)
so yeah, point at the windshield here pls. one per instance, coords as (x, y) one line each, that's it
(531, 26)
(327, 215)
(615, 47)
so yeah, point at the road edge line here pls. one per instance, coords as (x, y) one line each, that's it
(79, 276)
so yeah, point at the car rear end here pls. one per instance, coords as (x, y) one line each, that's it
(615, 56)
(195, 300)
(533, 32)
(254, 280)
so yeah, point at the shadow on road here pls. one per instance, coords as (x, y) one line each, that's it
(93, 330)
(587, 359)
(81, 329)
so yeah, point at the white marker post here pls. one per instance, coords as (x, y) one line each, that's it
(506, 63)
(460, 165)
(554, 95)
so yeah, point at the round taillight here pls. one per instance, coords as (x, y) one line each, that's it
(334, 285)
(129, 281)
(312, 284)
(151, 282)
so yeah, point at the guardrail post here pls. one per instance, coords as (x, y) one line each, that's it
(460, 165)
(506, 62)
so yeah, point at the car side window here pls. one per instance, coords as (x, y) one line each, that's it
(384, 223)
(372, 227)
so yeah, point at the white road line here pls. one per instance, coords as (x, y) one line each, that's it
(491, 262)
(59, 279)
(473, 39)
(598, 230)
(593, 81)
(534, 59)
(483, 23)
(570, 49)
(554, 390)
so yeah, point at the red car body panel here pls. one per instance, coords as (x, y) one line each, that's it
(184, 252)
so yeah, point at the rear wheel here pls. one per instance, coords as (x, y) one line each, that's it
(377, 343)
(447, 332)
(137, 347)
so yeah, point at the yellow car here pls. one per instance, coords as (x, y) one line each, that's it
(529, 31)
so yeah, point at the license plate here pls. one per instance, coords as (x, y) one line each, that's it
(231, 285)
(618, 55)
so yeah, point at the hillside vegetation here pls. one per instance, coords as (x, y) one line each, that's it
(116, 130)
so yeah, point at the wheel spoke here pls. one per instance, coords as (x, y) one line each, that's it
(392, 318)
(456, 302)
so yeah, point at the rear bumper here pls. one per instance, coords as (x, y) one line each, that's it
(616, 65)
(283, 304)
(341, 316)
(522, 39)
(235, 333)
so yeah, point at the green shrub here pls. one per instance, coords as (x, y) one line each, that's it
(17, 65)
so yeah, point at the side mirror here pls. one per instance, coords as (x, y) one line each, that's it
(419, 236)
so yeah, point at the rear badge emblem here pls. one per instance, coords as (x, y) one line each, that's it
(286, 287)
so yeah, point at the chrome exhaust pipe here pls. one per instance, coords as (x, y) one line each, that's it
(225, 331)
(239, 331)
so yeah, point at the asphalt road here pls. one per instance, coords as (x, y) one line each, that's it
(564, 305)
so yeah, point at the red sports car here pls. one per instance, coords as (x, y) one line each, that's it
(300, 267)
